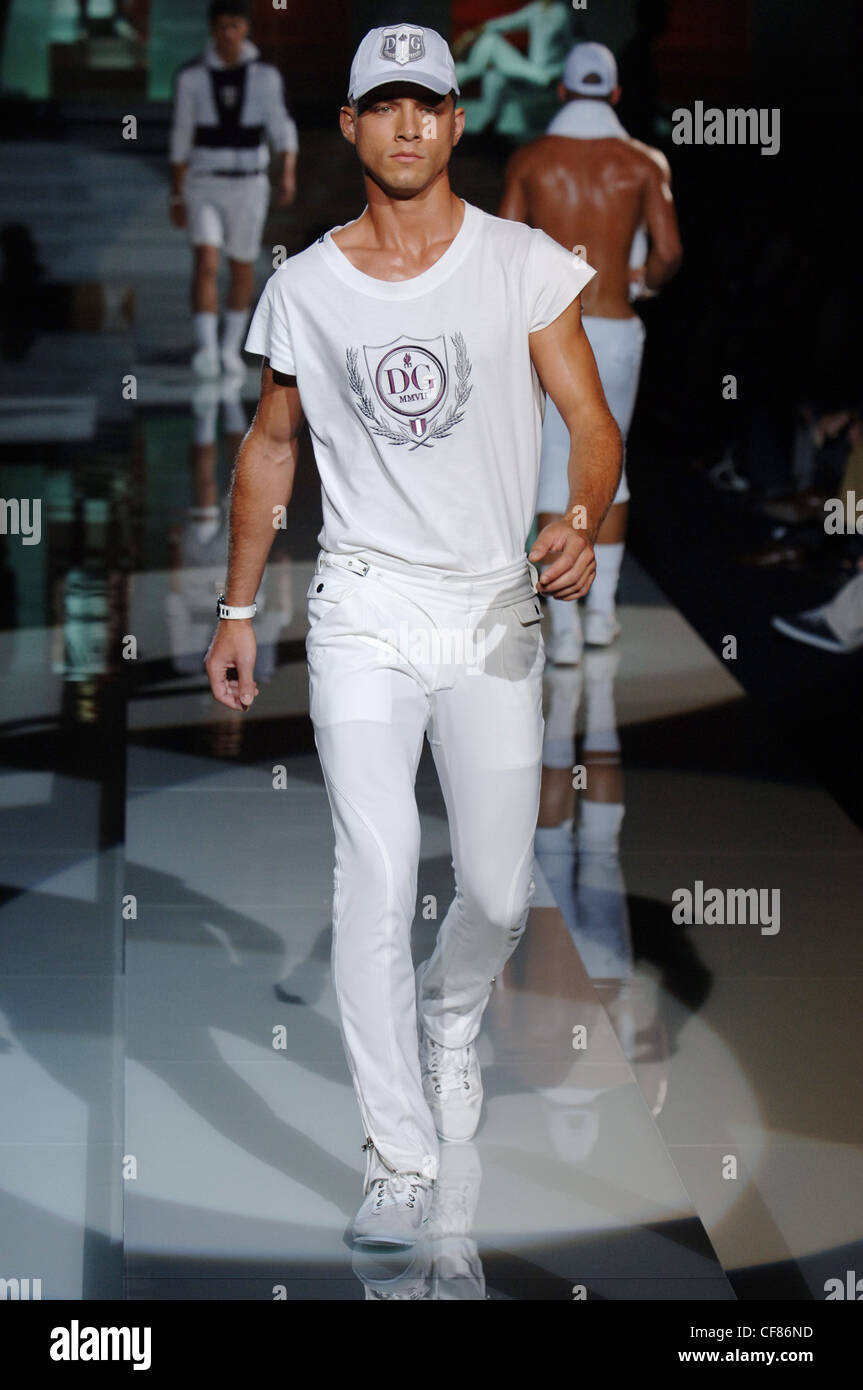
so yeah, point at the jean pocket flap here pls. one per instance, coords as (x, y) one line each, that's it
(333, 587)
(528, 610)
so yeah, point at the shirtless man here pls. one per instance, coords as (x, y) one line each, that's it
(586, 183)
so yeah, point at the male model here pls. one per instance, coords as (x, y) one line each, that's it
(417, 341)
(228, 109)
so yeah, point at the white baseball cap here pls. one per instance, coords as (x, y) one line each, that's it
(589, 60)
(402, 53)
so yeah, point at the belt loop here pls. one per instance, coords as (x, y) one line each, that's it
(358, 566)
(534, 573)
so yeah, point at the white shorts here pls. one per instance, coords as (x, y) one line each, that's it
(228, 212)
(618, 346)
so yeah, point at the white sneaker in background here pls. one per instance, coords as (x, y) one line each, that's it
(206, 363)
(232, 362)
(452, 1086)
(600, 629)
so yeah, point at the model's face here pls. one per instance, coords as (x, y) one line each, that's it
(404, 141)
(229, 33)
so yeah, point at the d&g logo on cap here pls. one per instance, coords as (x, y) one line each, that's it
(402, 45)
(411, 380)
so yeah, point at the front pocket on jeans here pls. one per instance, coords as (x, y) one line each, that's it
(523, 642)
(326, 593)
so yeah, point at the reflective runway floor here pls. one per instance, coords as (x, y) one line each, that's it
(673, 1109)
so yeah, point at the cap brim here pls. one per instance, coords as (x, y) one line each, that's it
(423, 80)
(588, 89)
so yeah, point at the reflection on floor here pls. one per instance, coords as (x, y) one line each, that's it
(176, 1119)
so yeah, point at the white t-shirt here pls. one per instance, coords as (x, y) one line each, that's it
(424, 406)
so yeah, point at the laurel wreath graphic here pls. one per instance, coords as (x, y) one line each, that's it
(397, 433)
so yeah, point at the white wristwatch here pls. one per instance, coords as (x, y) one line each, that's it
(225, 611)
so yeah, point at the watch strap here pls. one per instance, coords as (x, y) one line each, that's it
(225, 610)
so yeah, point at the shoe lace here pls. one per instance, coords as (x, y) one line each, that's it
(400, 1190)
(448, 1067)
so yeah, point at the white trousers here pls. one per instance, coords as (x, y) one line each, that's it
(395, 652)
(618, 346)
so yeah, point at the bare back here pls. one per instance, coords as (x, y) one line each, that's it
(594, 194)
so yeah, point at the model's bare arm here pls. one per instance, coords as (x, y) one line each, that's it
(666, 251)
(263, 481)
(564, 360)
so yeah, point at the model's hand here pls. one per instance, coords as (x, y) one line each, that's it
(178, 212)
(572, 564)
(233, 645)
(287, 190)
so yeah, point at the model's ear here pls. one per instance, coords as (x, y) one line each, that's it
(348, 123)
(458, 122)
(561, 92)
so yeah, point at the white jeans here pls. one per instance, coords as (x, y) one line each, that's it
(618, 346)
(395, 651)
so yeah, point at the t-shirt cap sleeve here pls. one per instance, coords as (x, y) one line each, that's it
(555, 278)
(269, 332)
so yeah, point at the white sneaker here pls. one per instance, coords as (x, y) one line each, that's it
(600, 629)
(565, 648)
(232, 362)
(206, 362)
(452, 1086)
(394, 1210)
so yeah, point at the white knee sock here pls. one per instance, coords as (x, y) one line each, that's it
(603, 590)
(599, 827)
(234, 416)
(600, 717)
(233, 329)
(207, 331)
(205, 423)
(558, 743)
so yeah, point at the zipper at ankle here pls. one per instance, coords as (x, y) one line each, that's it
(368, 1146)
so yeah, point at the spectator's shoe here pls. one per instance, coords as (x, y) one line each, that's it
(565, 648)
(814, 630)
(725, 477)
(232, 362)
(600, 629)
(206, 363)
(394, 1210)
(452, 1086)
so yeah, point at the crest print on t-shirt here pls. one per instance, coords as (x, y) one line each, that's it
(416, 396)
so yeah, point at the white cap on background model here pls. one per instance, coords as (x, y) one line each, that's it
(590, 60)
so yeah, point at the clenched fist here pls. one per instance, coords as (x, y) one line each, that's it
(571, 563)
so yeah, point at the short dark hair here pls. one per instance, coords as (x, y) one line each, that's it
(218, 8)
